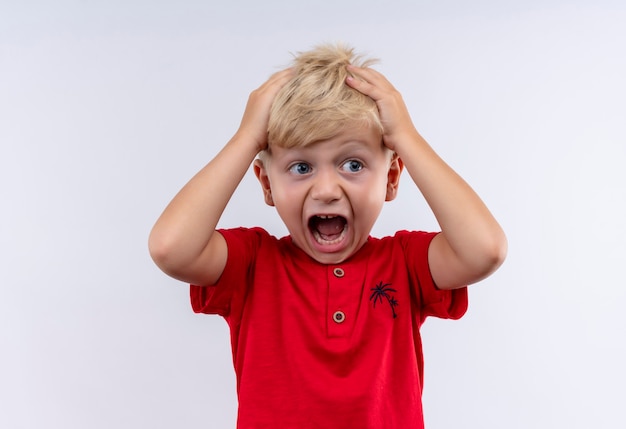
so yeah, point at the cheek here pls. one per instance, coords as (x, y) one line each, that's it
(287, 197)
(372, 196)
(377, 186)
(368, 198)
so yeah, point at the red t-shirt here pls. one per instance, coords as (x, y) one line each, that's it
(327, 346)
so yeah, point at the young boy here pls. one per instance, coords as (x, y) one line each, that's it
(325, 322)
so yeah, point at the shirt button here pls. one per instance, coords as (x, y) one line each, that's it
(339, 317)
(338, 272)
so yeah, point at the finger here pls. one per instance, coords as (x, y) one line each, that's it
(279, 78)
(369, 82)
(270, 88)
(365, 87)
(369, 75)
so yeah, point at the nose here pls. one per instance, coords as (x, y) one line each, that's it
(326, 187)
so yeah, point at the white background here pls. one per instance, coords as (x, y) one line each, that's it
(107, 108)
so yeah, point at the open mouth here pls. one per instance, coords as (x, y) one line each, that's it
(328, 229)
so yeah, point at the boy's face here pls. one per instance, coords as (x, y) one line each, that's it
(330, 193)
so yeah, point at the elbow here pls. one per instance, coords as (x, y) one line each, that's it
(485, 257)
(171, 254)
(494, 253)
(474, 261)
(160, 248)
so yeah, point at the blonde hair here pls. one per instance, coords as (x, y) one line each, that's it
(316, 104)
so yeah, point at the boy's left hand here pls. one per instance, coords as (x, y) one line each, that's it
(397, 123)
(472, 245)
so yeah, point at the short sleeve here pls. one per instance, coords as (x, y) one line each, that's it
(431, 301)
(216, 299)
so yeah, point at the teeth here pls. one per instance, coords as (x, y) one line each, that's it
(325, 216)
(320, 240)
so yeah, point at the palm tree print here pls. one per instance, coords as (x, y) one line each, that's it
(383, 291)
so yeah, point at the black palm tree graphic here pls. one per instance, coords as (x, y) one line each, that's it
(383, 290)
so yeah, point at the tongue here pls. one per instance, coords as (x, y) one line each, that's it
(329, 228)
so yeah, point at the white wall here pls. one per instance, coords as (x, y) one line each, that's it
(107, 108)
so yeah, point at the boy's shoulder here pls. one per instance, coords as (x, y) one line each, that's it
(405, 234)
(403, 238)
(258, 240)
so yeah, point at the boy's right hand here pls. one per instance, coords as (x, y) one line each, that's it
(256, 116)
(183, 242)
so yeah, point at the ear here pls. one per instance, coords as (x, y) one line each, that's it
(261, 173)
(393, 177)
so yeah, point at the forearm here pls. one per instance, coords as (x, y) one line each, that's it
(470, 230)
(472, 245)
(187, 225)
(183, 242)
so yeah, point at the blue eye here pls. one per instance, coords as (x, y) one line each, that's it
(352, 166)
(300, 168)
